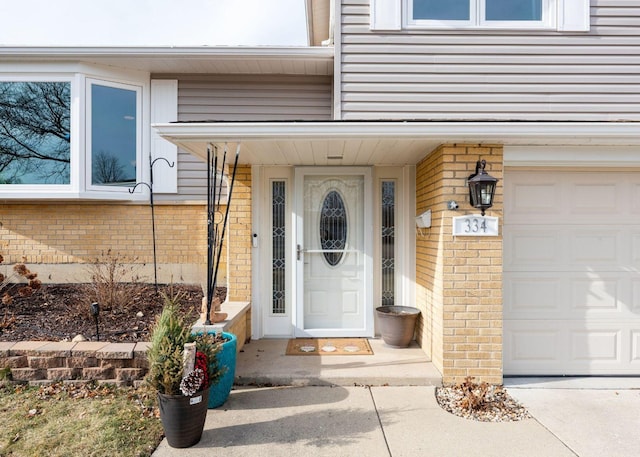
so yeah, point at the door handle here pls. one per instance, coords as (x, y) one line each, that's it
(299, 251)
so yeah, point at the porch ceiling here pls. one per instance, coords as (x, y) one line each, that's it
(380, 143)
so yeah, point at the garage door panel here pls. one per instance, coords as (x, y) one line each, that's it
(569, 296)
(539, 347)
(566, 249)
(535, 344)
(571, 197)
(591, 199)
(635, 347)
(595, 295)
(635, 200)
(532, 246)
(572, 273)
(595, 246)
(595, 346)
(635, 295)
(532, 295)
(535, 197)
(635, 249)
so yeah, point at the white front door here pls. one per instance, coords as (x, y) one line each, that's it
(333, 252)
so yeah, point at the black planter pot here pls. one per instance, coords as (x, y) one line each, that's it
(397, 324)
(183, 417)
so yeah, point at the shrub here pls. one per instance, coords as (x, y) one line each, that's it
(22, 282)
(112, 276)
(165, 354)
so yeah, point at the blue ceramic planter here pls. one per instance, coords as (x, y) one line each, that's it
(219, 393)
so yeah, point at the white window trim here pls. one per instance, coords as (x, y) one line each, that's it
(88, 155)
(565, 16)
(476, 21)
(79, 187)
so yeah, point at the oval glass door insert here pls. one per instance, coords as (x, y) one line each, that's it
(333, 227)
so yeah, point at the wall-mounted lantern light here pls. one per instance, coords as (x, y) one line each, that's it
(482, 187)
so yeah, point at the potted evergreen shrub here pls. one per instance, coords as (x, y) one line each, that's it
(182, 368)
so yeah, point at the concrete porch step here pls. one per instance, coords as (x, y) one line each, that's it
(263, 362)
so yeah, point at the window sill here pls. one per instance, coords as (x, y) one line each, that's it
(74, 196)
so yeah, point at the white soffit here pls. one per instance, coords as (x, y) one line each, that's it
(302, 60)
(391, 143)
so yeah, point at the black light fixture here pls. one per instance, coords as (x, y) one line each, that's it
(482, 187)
(95, 312)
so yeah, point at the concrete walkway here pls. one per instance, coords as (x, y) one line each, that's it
(384, 406)
(358, 421)
(595, 417)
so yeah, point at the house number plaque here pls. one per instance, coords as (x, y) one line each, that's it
(475, 225)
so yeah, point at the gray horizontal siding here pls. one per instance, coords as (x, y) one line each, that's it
(244, 98)
(503, 75)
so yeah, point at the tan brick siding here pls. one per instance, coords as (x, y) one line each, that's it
(240, 240)
(459, 280)
(77, 233)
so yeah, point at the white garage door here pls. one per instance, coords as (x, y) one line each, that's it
(571, 272)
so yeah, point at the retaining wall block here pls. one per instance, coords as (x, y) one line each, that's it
(63, 374)
(28, 374)
(46, 362)
(97, 373)
(81, 362)
(17, 361)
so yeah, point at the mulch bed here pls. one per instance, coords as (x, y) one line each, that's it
(480, 402)
(59, 312)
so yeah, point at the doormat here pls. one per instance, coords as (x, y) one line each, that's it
(329, 346)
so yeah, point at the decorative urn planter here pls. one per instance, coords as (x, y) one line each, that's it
(183, 367)
(397, 324)
(227, 362)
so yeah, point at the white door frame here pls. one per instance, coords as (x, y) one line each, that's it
(298, 309)
(264, 323)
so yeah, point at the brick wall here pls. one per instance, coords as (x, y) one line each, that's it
(240, 240)
(59, 238)
(459, 280)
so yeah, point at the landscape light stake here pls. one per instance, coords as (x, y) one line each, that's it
(153, 216)
(95, 312)
(215, 233)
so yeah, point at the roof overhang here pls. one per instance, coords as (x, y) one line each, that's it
(306, 60)
(383, 142)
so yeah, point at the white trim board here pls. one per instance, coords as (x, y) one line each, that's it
(572, 156)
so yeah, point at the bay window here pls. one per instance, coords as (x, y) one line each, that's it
(35, 132)
(68, 135)
(113, 138)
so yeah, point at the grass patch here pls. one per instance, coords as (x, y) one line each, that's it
(77, 420)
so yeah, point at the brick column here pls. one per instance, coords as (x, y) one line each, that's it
(239, 240)
(459, 280)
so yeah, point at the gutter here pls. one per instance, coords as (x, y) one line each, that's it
(162, 52)
(626, 133)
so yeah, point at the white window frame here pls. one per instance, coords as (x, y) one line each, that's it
(477, 21)
(88, 152)
(80, 77)
(565, 16)
(24, 190)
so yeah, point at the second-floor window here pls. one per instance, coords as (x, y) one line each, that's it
(481, 13)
